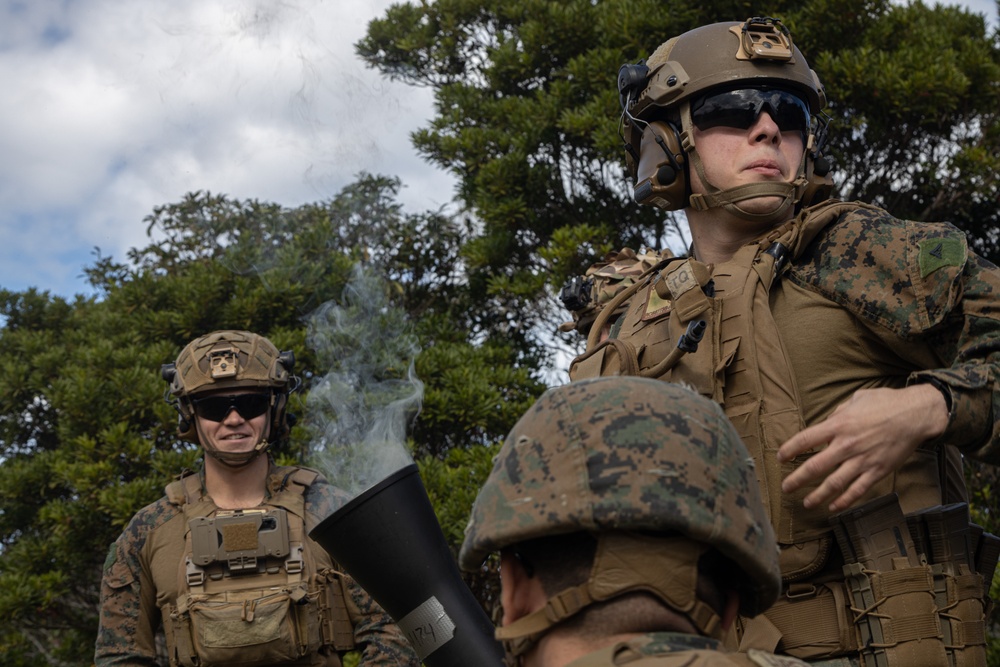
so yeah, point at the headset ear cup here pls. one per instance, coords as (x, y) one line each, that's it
(185, 422)
(281, 421)
(661, 178)
(819, 182)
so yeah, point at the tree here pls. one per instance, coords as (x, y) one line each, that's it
(86, 438)
(528, 109)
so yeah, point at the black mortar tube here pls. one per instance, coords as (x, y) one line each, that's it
(389, 540)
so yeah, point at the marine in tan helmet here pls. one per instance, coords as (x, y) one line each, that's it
(857, 354)
(630, 530)
(222, 565)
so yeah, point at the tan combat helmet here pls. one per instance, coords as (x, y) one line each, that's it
(623, 458)
(227, 360)
(657, 97)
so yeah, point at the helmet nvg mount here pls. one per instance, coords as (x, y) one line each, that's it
(656, 127)
(228, 360)
(627, 458)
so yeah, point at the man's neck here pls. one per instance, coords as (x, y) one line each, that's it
(716, 235)
(236, 488)
(560, 649)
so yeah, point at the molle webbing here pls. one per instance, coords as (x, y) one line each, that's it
(740, 363)
(296, 569)
(911, 593)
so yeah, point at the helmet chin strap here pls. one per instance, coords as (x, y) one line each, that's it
(233, 459)
(789, 193)
(624, 563)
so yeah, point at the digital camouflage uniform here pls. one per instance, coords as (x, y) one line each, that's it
(586, 297)
(836, 297)
(670, 649)
(865, 300)
(141, 576)
(658, 475)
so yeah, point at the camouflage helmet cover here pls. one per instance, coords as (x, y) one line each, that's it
(606, 279)
(230, 359)
(627, 453)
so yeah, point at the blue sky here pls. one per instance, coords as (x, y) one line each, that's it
(111, 108)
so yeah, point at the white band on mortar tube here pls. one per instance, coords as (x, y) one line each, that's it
(428, 627)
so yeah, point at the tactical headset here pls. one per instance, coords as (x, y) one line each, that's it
(656, 98)
(226, 360)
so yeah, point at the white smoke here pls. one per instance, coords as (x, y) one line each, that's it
(358, 413)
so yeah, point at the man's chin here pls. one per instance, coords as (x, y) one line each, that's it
(765, 205)
(230, 448)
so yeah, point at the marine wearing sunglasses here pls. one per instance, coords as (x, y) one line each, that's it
(216, 408)
(740, 108)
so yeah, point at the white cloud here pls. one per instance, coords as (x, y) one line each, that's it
(111, 108)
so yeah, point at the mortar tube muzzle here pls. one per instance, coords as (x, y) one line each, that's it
(388, 539)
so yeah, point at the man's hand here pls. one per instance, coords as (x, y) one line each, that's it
(868, 437)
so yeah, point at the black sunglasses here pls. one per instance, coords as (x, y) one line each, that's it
(216, 408)
(740, 108)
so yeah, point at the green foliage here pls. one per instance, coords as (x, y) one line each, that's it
(914, 101)
(452, 483)
(528, 109)
(527, 113)
(86, 438)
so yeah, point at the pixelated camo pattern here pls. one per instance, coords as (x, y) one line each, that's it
(126, 629)
(671, 649)
(921, 282)
(619, 453)
(870, 263)
(616, 272)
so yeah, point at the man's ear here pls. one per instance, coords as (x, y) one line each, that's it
(520, 594)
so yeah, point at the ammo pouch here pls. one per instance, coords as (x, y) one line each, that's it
(252, 628)
(336, 627)
(252, 590)
(262, 627)
(912, 593)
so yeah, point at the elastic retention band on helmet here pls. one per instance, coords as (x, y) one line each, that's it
(666, 567)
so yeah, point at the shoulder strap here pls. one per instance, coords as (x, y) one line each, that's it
(287, 487)
(186, 493)
(811, 221)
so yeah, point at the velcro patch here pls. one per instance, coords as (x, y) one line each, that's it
(240, 537)
(112, 556)
(938, 252)
(655, 305)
